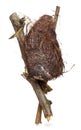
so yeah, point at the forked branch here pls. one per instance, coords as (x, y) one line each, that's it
(44, 103)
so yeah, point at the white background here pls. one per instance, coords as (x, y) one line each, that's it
(18, 103)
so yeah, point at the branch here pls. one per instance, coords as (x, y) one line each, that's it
(44, 103)
(18, 25)
(39, 110)
(38, 115)
(56, 16)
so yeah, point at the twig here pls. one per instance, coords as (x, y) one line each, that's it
(39, 110)
(17, 25)
(44, 103)
(56, 16)
(38, 115)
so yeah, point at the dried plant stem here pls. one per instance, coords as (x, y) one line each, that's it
(44, 103)
(39, 110)
(16, 22)
(38, 115)
(56, 16)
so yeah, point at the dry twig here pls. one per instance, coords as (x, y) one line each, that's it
(44, 103)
